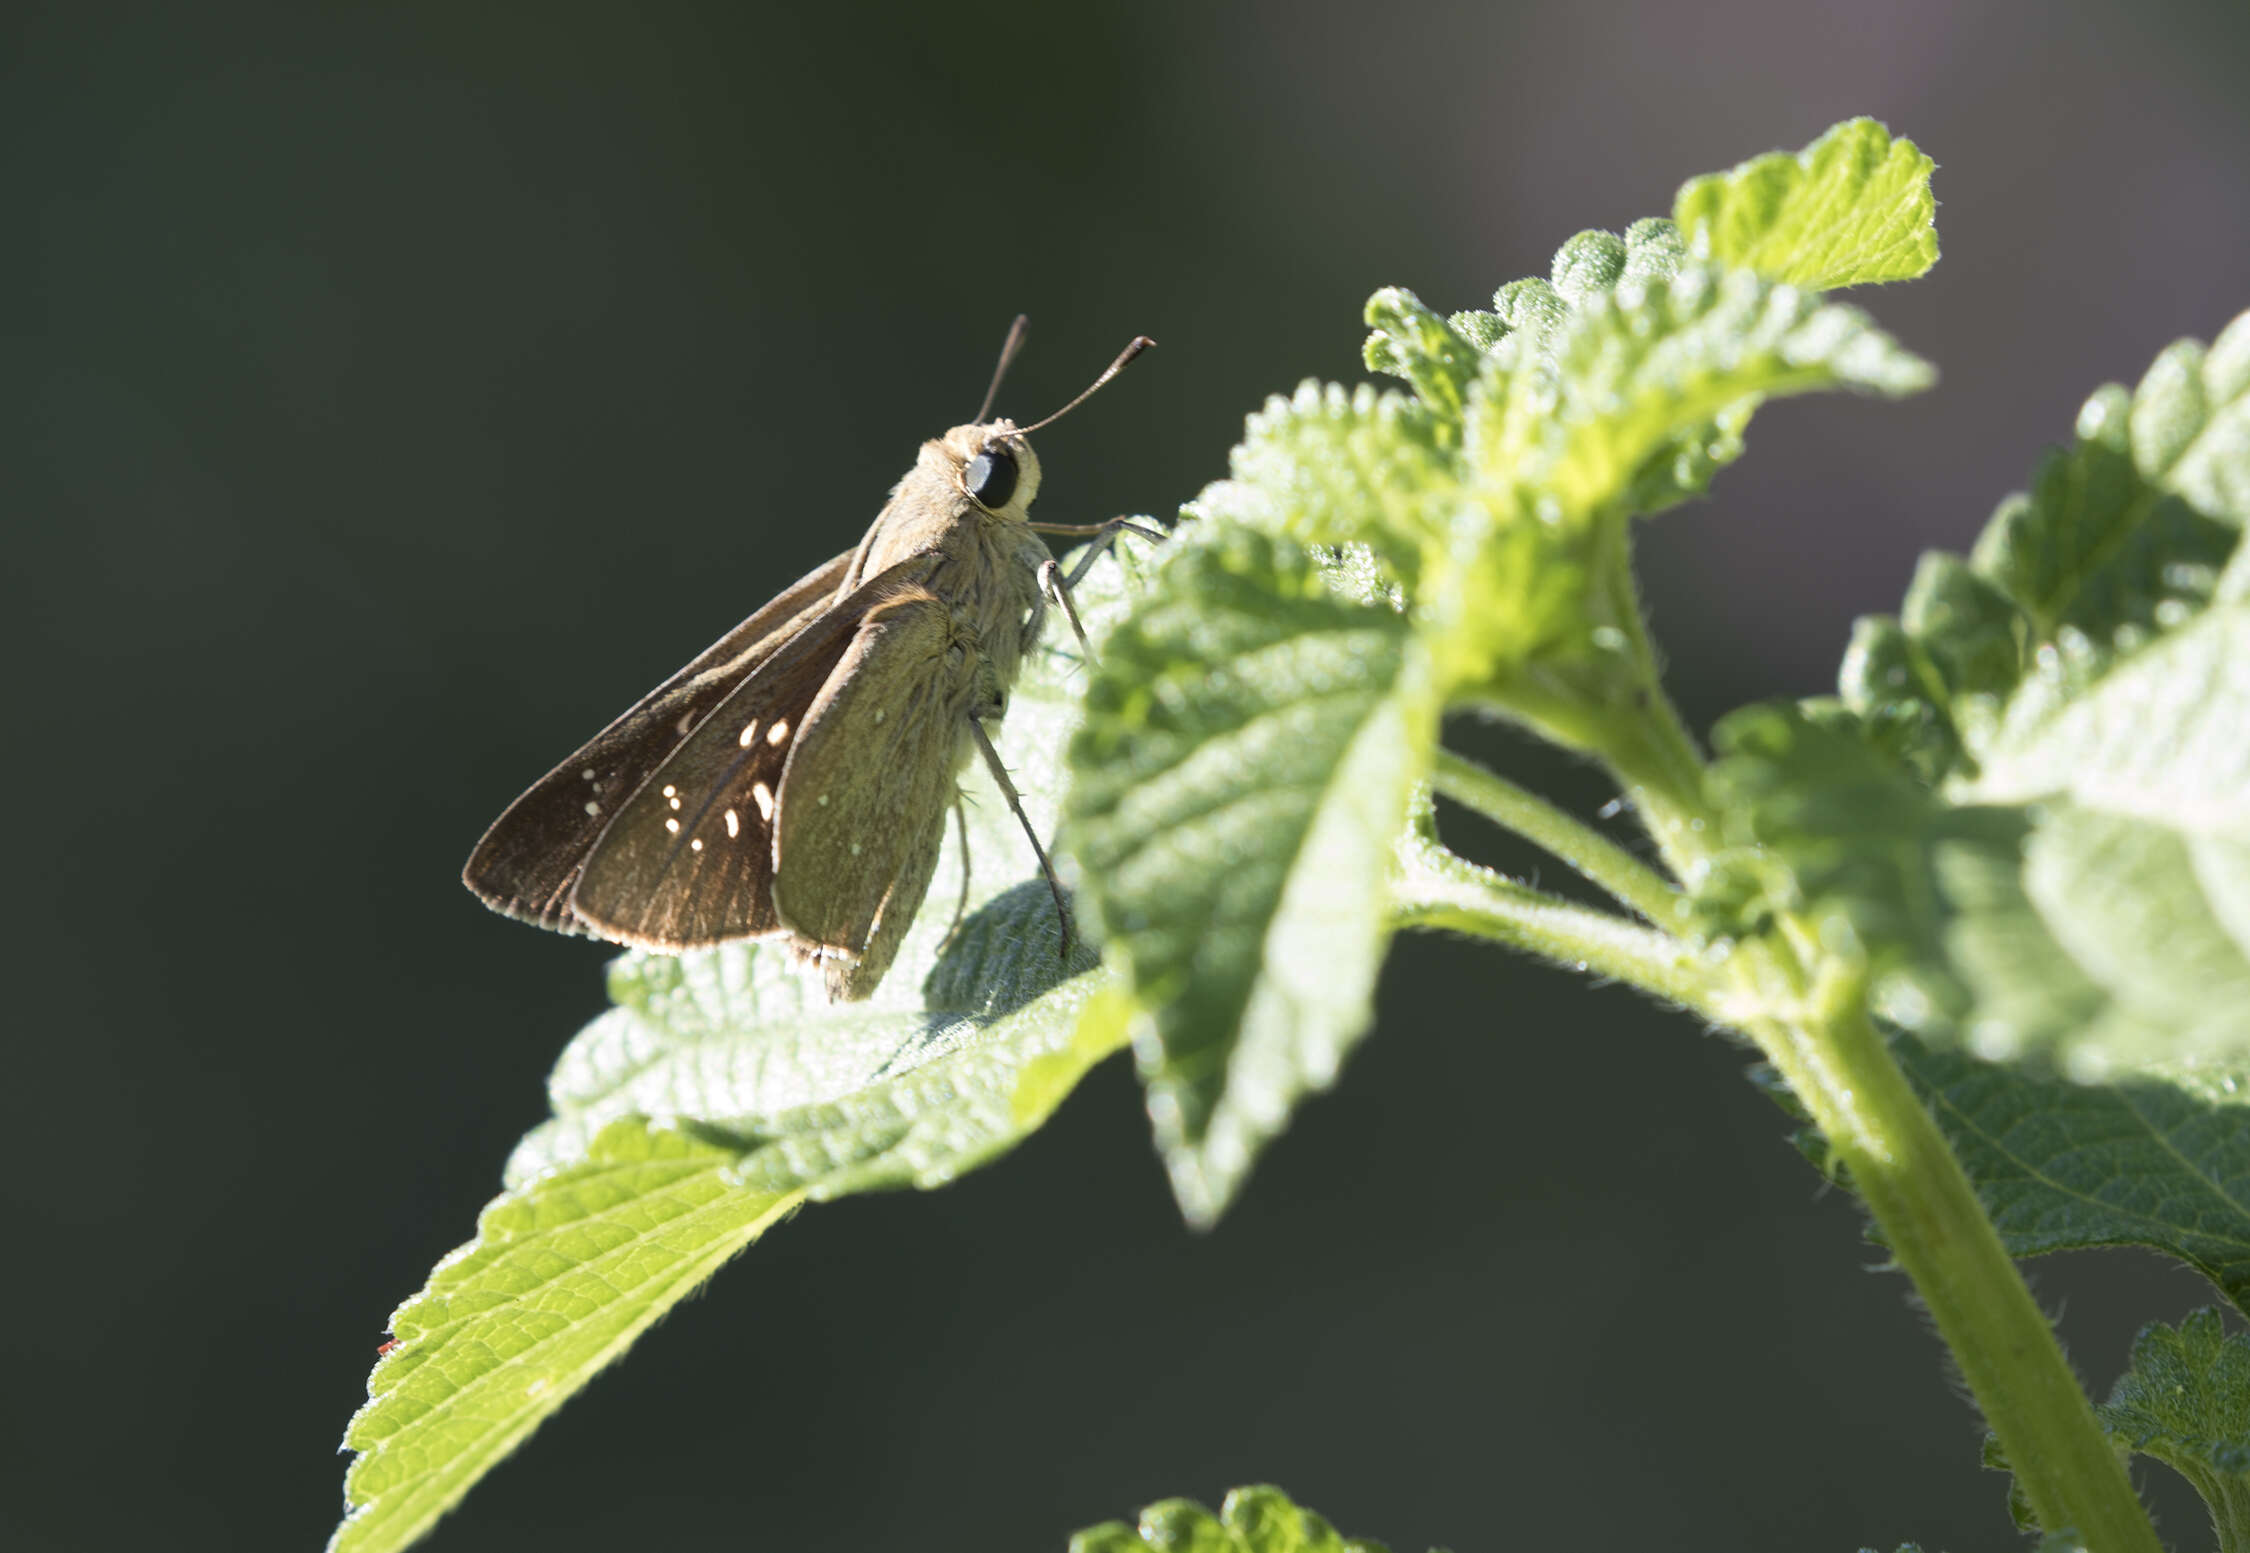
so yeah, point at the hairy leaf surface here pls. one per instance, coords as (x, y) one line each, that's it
(2155, 1161)
(2117, 549)
(1852, 208)
(2082, 938)
(1331, 467)
(1595, 419)
(1250, 745)
(2031, 813)
(2185, 1400)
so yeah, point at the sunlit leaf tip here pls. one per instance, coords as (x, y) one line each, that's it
(1852, 208)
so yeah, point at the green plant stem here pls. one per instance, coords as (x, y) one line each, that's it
(1815, 1030)
(1629, 880)
(1661, 773)
(1437, 889)
(1649, 749)
(1898, 1162)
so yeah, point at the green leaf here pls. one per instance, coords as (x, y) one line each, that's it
(1617, 391)
(1598, 289)
(2131, 696)
(1830, 830)
(1853, 207)
(2185, 1400)
(1410, 341)
(2032, 820)
(613, 1218)
(1250, 746)
(1624, 380)
(887, 1096)
(2161, 1161)
(1594, 420)
(2124, 901)
(1253, 1520)
(2116, 550)
(1617, 387)
(1327, 467)
(560, 1280)
(2071, 935)
(2164, 737)
(1533, 314)
(722, 1091)
(2100, 549)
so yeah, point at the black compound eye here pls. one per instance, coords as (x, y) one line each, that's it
(991, 477)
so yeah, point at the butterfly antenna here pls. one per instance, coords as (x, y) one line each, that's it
(1141, 342)
(1008, 349)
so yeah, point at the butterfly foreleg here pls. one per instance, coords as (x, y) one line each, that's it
(1056, 584)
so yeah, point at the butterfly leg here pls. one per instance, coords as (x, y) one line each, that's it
(961, 907)
(1008, 791)
(1056, 585)
(1103, 536)
(1051, 585)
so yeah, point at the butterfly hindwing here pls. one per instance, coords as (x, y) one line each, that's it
(855, 844)
(688, 860)
(529, 861)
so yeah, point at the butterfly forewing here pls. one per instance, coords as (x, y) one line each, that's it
(688, 860)
(530, 859)
(853, 857)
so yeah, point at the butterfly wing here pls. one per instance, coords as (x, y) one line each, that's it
(688, 861)
(863, 798)
(531, 858)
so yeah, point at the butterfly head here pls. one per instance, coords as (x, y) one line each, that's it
(993, 466)
(991, 462)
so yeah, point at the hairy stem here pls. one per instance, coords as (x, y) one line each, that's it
(1629, 880)
(1648, 747)
(1808, 1013)
(1436, 889)
(1899, 1164)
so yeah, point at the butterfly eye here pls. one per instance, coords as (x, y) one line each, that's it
(991, 477)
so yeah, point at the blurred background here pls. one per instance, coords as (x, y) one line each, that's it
(395, 393)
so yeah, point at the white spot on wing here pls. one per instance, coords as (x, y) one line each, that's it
(593, 807)
(764, 795)
(881, 713)
(588, 773)
(855, 849)
(673, 826)
(778, 732)
(749, 733)
(669, 790)
(675, 803)
(822, 800)
(734, 824)
(696, 845)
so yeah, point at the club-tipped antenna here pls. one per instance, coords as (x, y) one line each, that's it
(1008, 349)
(1141, 342)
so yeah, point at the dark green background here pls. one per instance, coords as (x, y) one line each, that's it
(393, 394)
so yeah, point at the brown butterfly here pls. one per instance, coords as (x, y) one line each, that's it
(794, 779)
